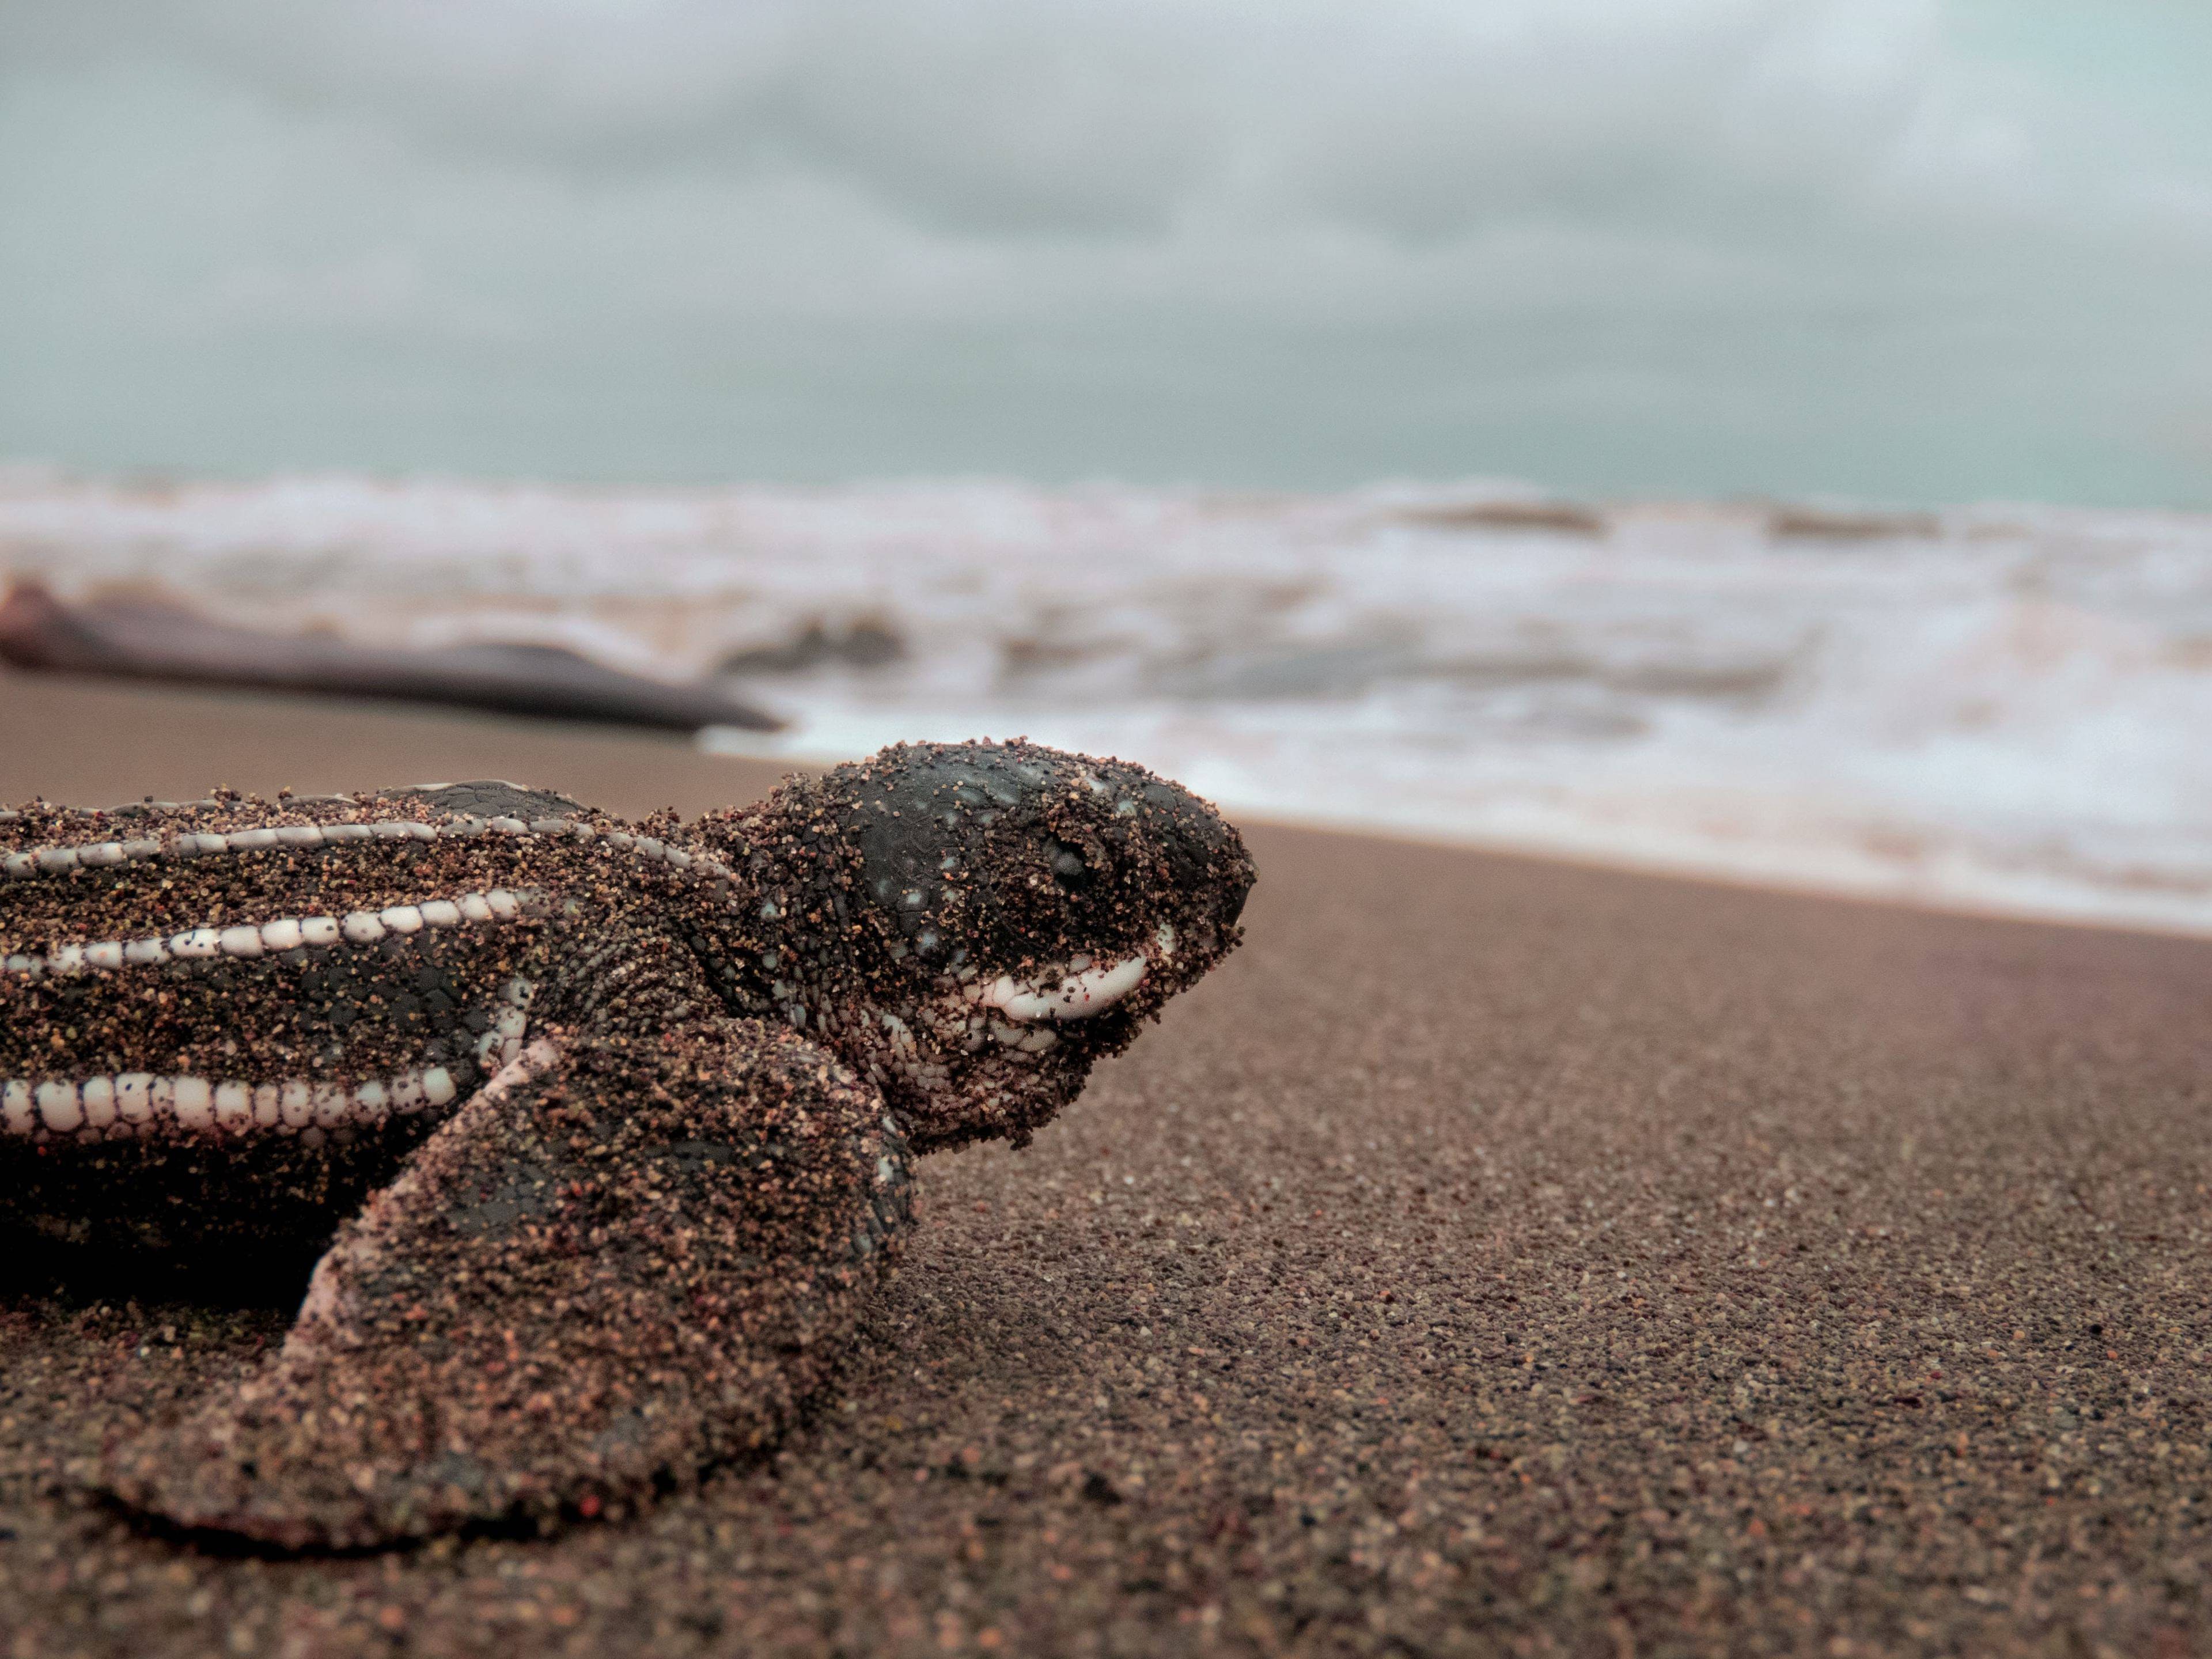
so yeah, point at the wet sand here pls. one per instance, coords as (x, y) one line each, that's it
(1495, 1255)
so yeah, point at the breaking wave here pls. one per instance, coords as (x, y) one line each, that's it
(1995, 708)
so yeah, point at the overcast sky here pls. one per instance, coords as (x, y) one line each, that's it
(1888, 249)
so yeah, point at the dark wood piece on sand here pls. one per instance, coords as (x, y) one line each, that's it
(142, 639)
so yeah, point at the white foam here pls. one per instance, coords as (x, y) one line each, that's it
(1993, 708)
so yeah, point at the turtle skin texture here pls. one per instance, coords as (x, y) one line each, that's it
(600, 1135)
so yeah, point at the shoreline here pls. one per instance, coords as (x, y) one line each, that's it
(1978, 708)
(237, 727)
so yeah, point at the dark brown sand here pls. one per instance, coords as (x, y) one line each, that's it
(1493, 1256)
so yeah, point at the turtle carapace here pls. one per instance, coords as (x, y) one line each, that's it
(605, 1127)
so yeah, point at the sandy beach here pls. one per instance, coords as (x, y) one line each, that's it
(1496, 1255)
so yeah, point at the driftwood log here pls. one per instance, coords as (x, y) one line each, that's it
(142, 639)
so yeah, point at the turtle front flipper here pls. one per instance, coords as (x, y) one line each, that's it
(625, 1258)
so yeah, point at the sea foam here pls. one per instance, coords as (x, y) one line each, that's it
(1991, 707)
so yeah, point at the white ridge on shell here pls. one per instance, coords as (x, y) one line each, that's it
(258, 939)
(28, 863)
(295, 1104)
(125, 1104)
(59, 1108)
(193, 1099)
(98, 1094)
(134, 1096)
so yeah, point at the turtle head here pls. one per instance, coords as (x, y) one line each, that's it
(976, 925)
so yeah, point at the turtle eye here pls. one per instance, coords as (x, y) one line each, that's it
(1068, 868)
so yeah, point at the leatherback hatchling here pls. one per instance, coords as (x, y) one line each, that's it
(606, 1125)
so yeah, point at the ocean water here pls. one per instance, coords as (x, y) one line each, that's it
(1990, 707)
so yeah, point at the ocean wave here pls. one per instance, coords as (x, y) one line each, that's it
(1996, 707)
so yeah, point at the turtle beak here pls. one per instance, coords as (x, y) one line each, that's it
(1078, 994)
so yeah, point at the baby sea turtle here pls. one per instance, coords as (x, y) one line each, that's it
(612, 1122)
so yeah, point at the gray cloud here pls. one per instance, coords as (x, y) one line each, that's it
(1709, 244)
